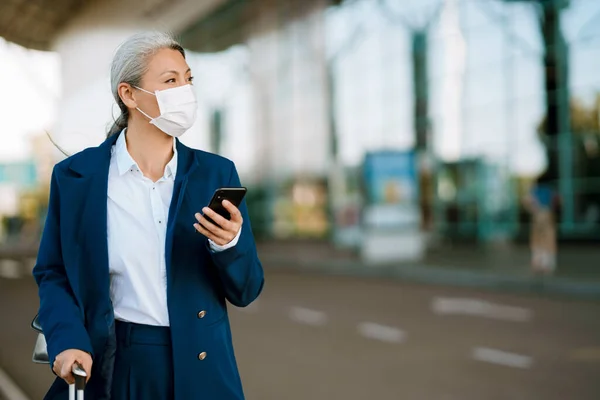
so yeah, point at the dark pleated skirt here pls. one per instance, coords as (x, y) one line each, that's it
(143, 363)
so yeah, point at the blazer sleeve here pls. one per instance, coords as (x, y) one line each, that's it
(239, 268)
(60, 316)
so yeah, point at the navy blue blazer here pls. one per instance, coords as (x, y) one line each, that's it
(73, 276)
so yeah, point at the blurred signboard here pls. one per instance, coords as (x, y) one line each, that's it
(391, 190)
(23, 174)
(391, 177)
(392, 216)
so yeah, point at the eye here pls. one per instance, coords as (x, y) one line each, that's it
(191, 79)
(172, 80)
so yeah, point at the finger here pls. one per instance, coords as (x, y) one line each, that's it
(215, 239)
(208, 213)
(222, 222)
(231, 227)
(208, 225)
(65, 372)
(214, 229)
(207, 233)
(56, 368)
(236, 215)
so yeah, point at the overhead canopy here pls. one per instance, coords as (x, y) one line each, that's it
(229, 24)
(35, 23)
(222, 28)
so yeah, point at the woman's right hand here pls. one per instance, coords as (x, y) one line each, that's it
(64, 363)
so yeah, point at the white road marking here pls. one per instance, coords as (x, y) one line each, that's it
(8, 389)
(500, 357)
(308, 317)
(480, 308)
(10, 269)
(384, 333)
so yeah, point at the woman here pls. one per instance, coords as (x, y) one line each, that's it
(132, 278)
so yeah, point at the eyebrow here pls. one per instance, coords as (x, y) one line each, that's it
(175, 72)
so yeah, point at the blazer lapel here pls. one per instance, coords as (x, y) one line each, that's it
(186, 165)
(88, 195)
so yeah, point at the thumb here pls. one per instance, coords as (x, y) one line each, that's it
(86, 364)
(234, 212)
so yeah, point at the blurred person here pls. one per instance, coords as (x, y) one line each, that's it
(127, 286)
(543, 241)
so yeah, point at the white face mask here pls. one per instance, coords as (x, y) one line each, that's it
(177, 107)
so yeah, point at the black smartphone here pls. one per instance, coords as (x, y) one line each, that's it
(234, 195)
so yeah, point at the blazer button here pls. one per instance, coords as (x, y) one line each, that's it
(202, 356)
(201, 314)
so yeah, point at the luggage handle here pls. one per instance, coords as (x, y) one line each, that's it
(76, 390)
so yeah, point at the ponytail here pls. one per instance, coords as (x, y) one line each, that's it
(121, 122)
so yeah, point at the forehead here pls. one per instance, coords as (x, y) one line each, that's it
(167, 60)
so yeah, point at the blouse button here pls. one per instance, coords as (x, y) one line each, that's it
(202, 356)
(201, 314)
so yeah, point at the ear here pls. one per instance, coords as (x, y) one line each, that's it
(126, 94)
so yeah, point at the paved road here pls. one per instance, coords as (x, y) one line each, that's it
(317, 337)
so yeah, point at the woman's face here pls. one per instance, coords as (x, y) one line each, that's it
(166, 69)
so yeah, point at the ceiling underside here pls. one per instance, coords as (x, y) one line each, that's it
(228, 24)
(35, 23)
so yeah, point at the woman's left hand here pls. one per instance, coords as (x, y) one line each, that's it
(225, 230)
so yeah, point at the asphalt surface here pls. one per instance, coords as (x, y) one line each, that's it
(316, 337)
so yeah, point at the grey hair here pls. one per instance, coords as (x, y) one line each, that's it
(130, 63)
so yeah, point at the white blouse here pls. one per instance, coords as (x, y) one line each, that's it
(137, 224)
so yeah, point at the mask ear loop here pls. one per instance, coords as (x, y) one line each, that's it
(137, 108)
(143, 113)
(144, 90)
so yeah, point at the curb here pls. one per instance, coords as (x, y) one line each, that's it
(8, 389)
(443, 276)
